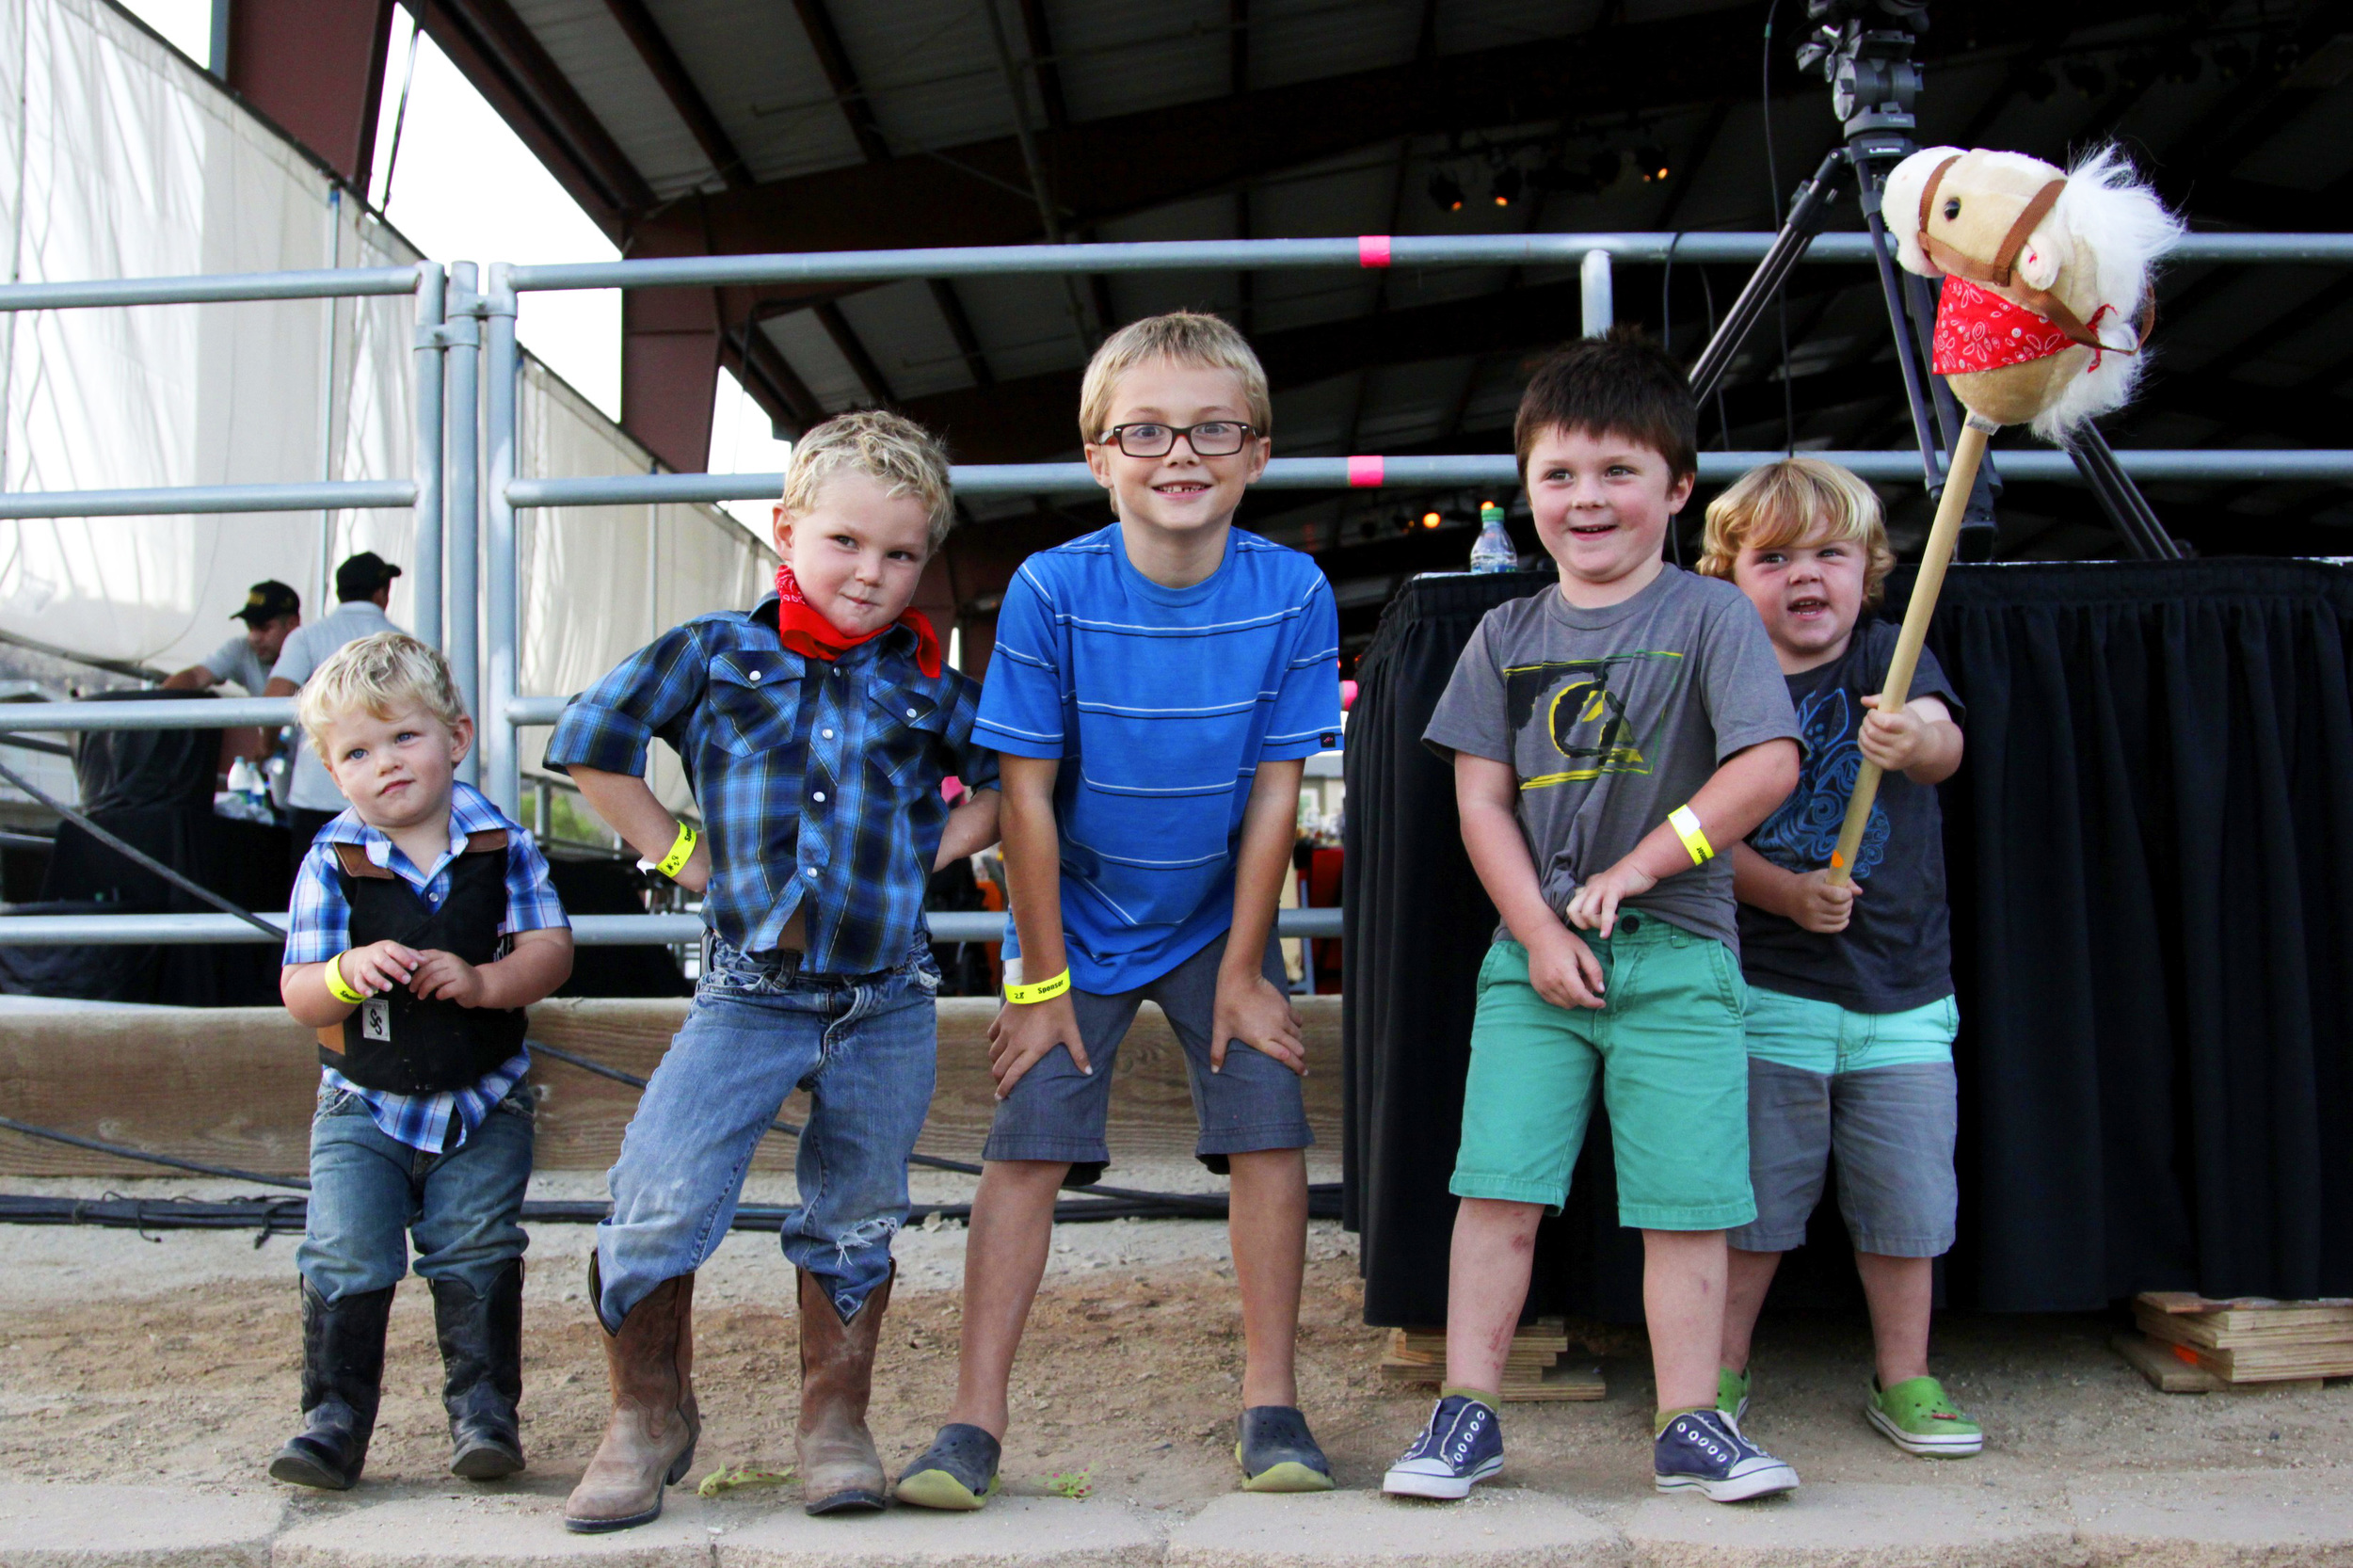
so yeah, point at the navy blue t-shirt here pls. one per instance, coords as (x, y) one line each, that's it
(1897, 951)
(1160, 703)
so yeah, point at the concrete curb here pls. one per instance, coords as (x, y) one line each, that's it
(1854, 1524)
(2221, 1519)
(2215, 1519)
(1496, 1529)
(136, 1527)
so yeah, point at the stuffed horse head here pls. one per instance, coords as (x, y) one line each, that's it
(2047, 293)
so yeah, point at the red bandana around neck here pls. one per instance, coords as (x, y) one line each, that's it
(1978, 330)
(802, 628)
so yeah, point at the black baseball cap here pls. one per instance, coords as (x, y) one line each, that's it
(266, 601)
(362, 575)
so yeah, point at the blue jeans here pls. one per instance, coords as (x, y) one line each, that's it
(866, 1048)
(370, 1193)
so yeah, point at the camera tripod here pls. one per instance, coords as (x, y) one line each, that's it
(1863, 50)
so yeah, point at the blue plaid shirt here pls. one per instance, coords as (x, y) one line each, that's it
(319, 927)
(819, 782)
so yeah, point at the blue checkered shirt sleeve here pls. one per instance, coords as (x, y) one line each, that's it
(318, 920)
(648, 693)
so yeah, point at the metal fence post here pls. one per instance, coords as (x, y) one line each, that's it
(427, 457)
(462, 495)
(500, 655)
(1595, 293)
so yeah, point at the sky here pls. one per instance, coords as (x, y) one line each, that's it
(463, 187)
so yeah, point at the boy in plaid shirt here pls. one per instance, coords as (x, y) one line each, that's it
(816, 729)
(423, 925)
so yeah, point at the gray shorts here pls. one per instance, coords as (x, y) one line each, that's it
(1057, 1113)
(1892, 1129)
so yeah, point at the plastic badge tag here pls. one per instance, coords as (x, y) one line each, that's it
(376, 1019)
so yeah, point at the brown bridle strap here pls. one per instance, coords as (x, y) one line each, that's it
(2000, 273)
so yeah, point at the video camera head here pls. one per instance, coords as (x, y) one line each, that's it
(1863, 50)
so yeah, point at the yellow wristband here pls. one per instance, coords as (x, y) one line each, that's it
(681, 851)
(1045, 990)
(1685, 823)
(340, 988)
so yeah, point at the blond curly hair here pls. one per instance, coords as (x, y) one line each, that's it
(378, 674)
(890, 449)
(1780, 503)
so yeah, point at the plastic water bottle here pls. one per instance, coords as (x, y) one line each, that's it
(1494, 551)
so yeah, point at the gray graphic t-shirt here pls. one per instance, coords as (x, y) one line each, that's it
(1612, 718)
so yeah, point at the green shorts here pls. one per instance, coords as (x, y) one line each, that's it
(1673, 1067)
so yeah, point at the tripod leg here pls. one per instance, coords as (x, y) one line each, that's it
(1806, 214)
(2119, 498)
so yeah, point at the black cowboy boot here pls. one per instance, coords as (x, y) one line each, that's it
(342, 1371)
(482, 1350)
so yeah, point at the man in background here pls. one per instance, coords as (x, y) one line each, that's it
(364, 585)
(271, 612)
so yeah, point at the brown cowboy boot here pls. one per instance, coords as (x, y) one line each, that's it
(841, 1472)
(650, 1443)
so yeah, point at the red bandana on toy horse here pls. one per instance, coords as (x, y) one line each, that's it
(1978, 330)
(803, 630)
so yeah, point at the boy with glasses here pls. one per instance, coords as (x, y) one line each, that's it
(1156, 689)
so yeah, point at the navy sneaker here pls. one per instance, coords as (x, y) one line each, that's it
(1462, 1445)
(1703, 1451)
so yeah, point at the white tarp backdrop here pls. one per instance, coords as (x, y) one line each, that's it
(119, 159)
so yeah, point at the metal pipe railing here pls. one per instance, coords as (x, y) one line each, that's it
(1363, 251)
(40, 931)
(211, 288)
(462, 369)
(426, 456)
(1319, 474)
(503, 622)
(171, 501)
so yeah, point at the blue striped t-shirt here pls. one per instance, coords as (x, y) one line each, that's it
(1159, 703)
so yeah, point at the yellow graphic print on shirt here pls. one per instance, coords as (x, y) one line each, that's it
(1589, 719)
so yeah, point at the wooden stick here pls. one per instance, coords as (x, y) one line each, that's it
(1959, 480)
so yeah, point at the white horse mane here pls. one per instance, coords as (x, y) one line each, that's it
(2108, 209)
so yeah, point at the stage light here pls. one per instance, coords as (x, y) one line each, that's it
(1431, 520)
(1508, 185)
(1652, 161)
(1446, 192)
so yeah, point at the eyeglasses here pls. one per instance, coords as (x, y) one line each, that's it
(1216, 438)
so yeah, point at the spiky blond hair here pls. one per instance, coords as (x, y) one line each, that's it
(1181, 337)
(1779, 503)
(890, 449)
(378, 674)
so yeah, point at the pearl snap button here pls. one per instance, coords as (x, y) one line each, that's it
(755, 675)
(827, 733)
(910, 713)
(819, 796)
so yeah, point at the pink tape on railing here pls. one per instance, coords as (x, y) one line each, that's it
(1365, 473)
(1372, 250)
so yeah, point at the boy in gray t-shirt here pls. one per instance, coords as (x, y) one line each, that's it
(1606, 736)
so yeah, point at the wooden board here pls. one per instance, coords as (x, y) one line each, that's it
(2326, 1308)
(236, 1085)
(2217, 1330)
(2166, 1372)
(1536, 1367)
(2275, 1363)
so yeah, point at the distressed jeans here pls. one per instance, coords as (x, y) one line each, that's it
(371, 1194)
(865, 1047)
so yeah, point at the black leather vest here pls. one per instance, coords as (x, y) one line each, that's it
(396, 1041)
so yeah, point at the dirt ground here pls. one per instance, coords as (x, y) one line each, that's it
(175, 1361)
